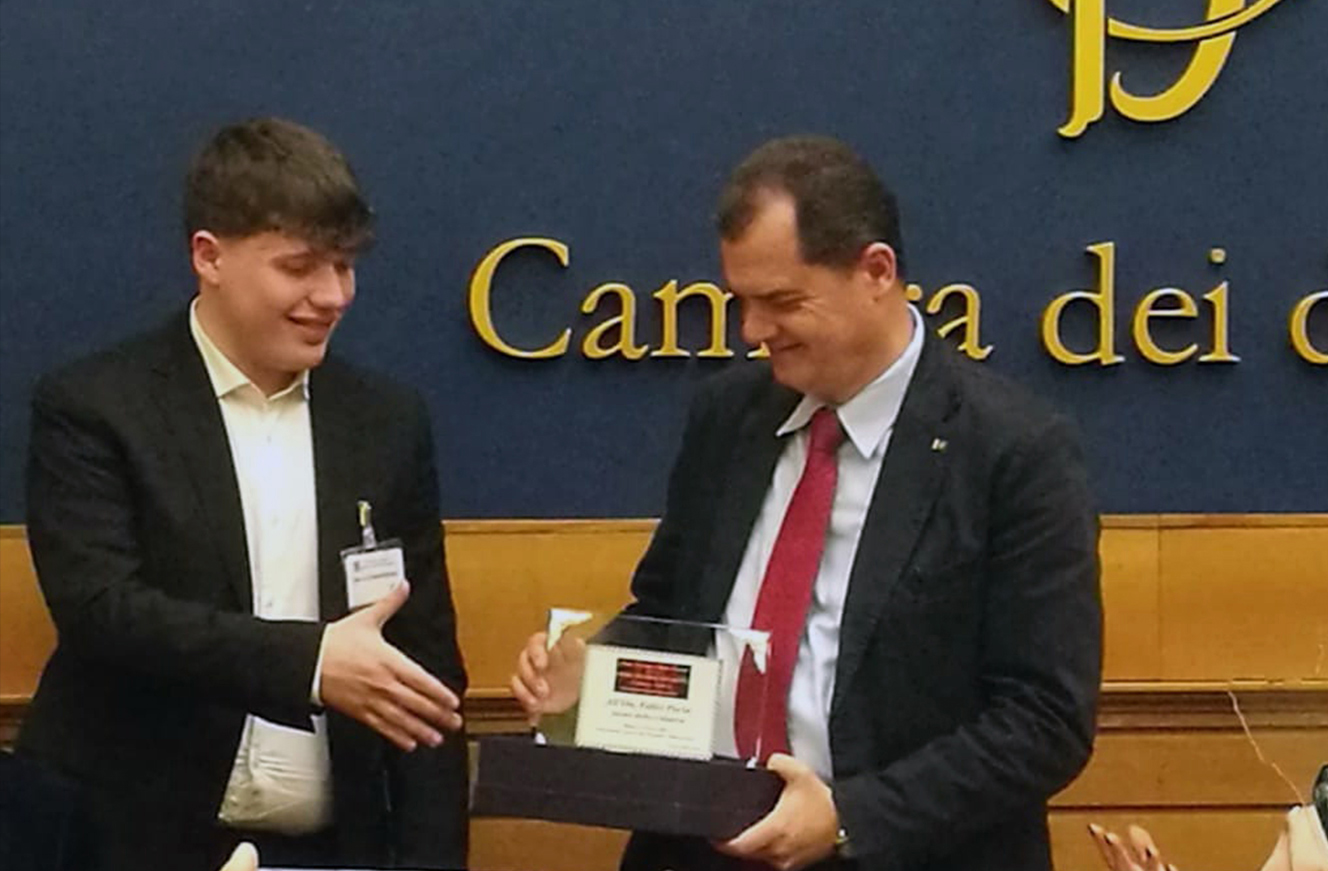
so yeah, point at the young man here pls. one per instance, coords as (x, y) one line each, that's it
(189, 494)
(915, 531)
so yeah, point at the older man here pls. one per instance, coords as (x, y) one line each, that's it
(916, 531)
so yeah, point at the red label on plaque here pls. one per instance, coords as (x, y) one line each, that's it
(652, 678)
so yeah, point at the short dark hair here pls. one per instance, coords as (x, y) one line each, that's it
(269, 174)
(841, 205)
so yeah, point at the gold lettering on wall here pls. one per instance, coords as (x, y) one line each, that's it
(616, 304)
(1299, 326)
(1221, 352)
(970, 320)
(481, 289)
(1147, 308)
(1103, 299)
(1185, 308)
(624, 324)
(616, 335)
(669, 296)
(1164, 302)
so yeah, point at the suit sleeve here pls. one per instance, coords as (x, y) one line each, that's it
(428, 786)
(85, 538)
(1039, 676)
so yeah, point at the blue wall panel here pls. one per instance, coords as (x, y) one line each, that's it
(609, 126)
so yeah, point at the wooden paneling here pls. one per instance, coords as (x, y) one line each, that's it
(526, 845)
(1211, 840)
(1198, 609)
(1244, 602)
(26, 634)
(506, 574)
(1212, 769)
(1194, 839)
(1132, 644)
(1188, 598)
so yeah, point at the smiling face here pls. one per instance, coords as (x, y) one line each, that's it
(830, 330)
(270, 301)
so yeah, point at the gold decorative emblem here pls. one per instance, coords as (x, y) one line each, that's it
(1091, 26)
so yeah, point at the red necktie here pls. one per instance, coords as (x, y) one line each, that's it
(786, 591)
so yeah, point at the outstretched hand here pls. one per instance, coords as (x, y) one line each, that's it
(367, 678)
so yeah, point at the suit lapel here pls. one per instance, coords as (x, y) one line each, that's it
(755, 452)
(331, 413)
(193, 423)
(910, 479)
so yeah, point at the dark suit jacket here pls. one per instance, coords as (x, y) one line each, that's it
(970, 649)
(137, 533)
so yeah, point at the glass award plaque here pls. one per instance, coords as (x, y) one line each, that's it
(637, 730)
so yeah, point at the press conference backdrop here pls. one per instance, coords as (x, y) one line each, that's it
(1124, 205)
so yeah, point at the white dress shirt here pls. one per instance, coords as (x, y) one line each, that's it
(281, 780)
(868, 420)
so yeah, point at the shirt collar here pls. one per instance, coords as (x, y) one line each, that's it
(871, 413)
(225, 376)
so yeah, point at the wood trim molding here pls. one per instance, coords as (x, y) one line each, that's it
(1109, 521)
(521, 526)
(471, 526)
(1124, 708)
(1131, 707)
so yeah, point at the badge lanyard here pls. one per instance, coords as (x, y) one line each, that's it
(373, 568)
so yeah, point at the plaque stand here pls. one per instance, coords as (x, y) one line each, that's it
(715, 799)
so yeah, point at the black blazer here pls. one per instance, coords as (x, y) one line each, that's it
(970, 649)
(137, 534)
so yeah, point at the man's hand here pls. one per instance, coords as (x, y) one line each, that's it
(802, 827)
(245, 858)
(366, 678)
(1137, 852)
(548, 681)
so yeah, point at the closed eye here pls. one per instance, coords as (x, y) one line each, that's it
(297, 267)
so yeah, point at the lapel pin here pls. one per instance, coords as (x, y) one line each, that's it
(939, 445)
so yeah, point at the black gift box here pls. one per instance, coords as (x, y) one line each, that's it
(715, 800)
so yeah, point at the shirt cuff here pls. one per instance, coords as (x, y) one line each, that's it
(314, 695)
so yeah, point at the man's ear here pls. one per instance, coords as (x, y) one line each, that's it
(879, 262)
(205, 254)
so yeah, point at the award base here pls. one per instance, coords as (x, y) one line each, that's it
(715, 800)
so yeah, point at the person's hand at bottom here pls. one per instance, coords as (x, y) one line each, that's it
(1135, 852)
(801, 828)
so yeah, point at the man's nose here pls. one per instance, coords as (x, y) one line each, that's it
(755, 328)
(332, 287)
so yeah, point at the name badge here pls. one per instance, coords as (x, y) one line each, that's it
(372, 574)
(373, 568)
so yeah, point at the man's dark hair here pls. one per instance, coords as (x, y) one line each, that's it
(269, 174)
(842, 207)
